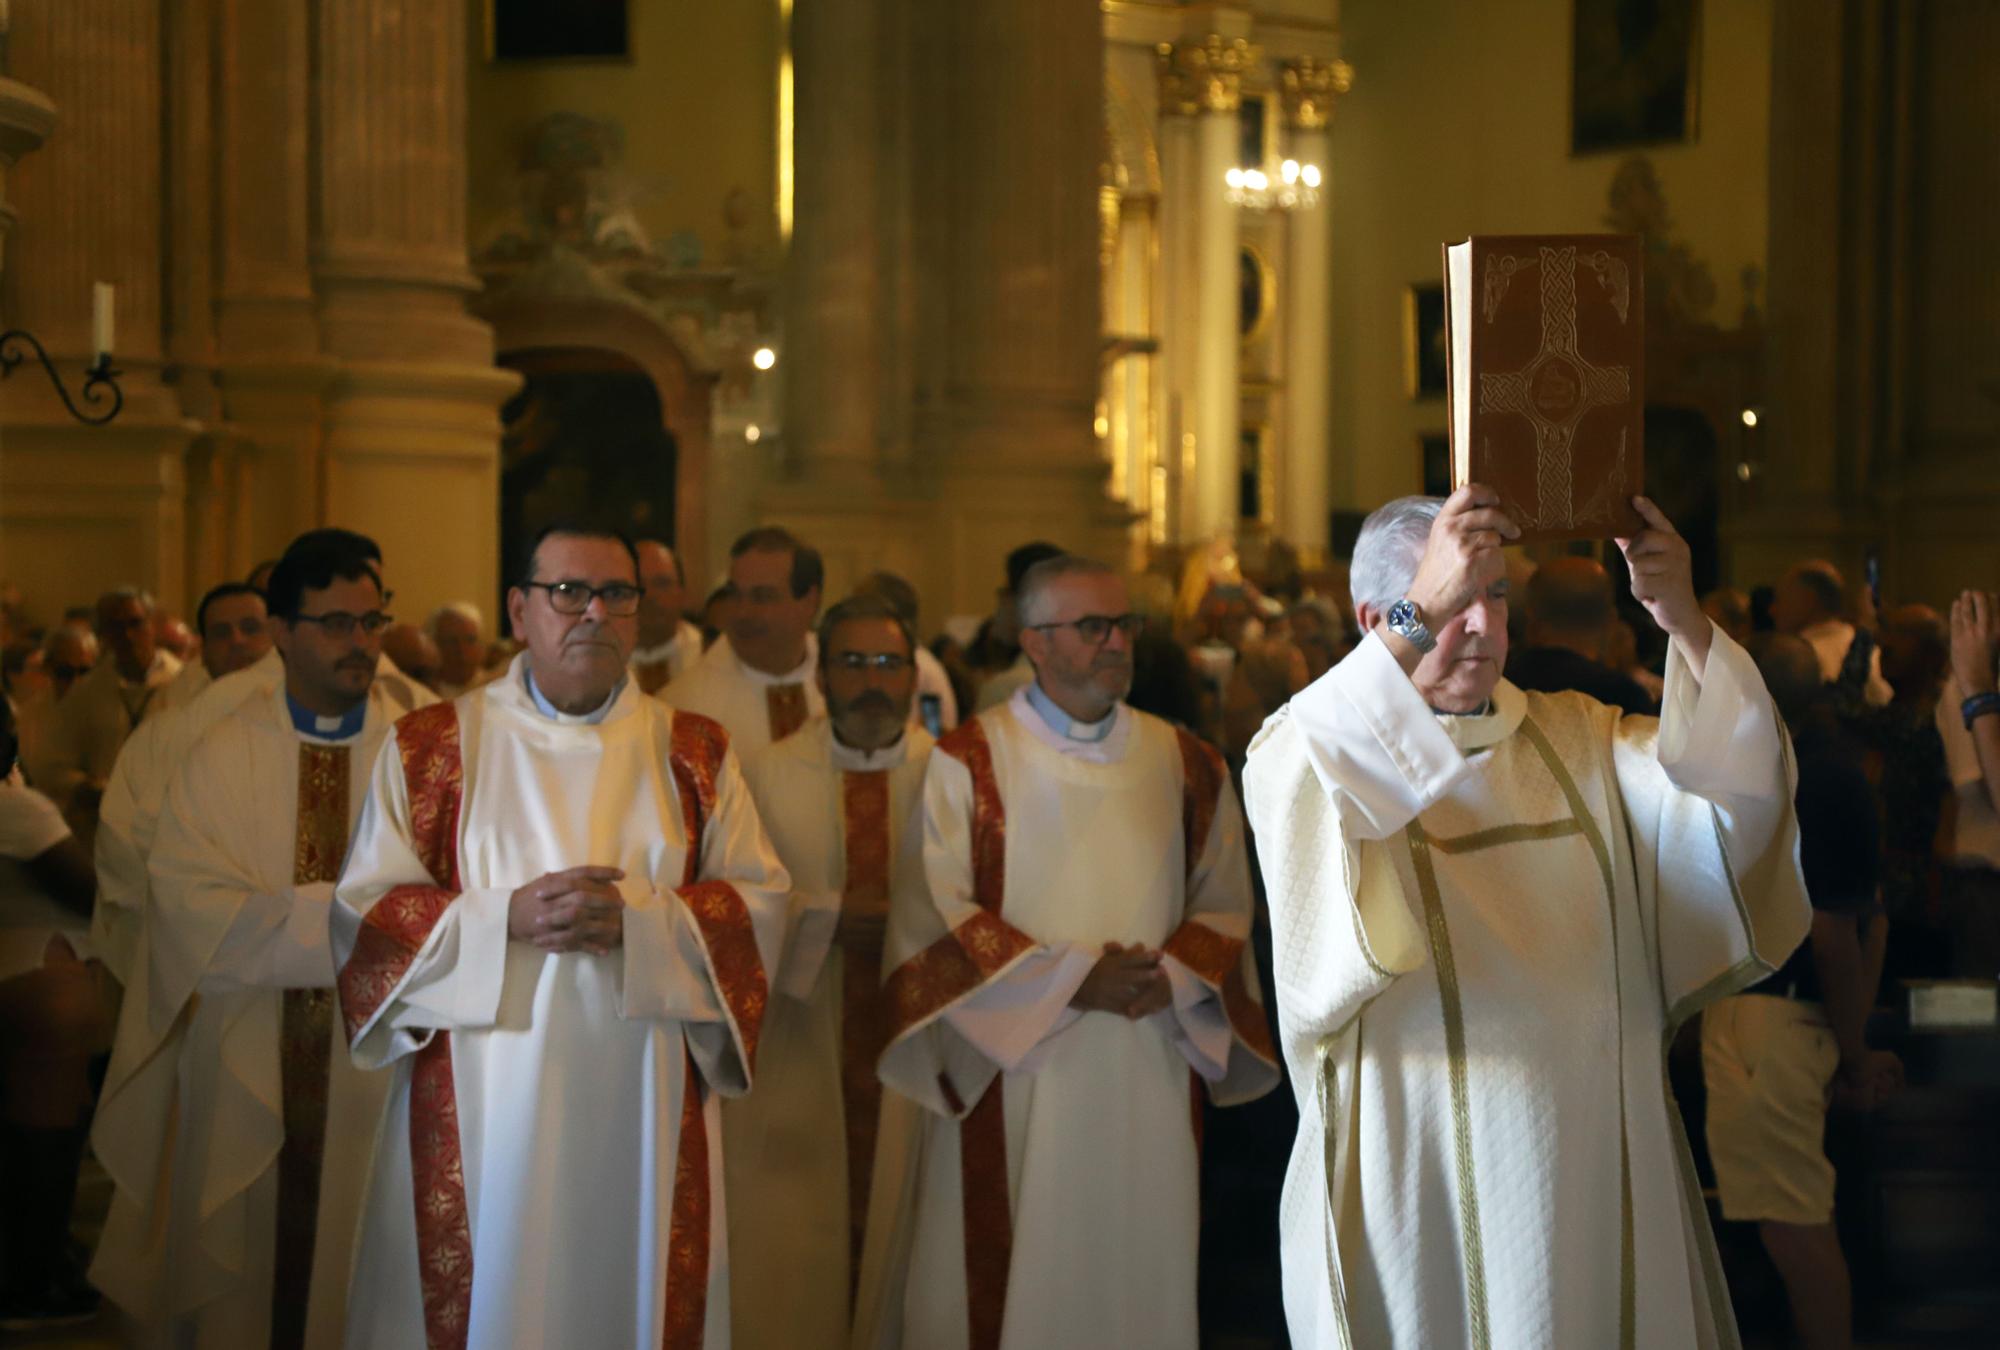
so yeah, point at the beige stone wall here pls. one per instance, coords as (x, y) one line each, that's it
(697, 101)
(290, 257)
(1458, 123)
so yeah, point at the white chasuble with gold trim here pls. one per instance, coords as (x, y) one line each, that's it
(234, 1126)
(1486, 928)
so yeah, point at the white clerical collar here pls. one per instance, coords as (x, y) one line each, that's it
(555, 714)
(1503, 713)
(849, 759)
(1107, 750)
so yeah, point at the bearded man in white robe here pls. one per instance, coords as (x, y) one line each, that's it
(555, 931)
(820, 1147)
(1490, 911)
(233, 1124)
(1068, 970)
(758, 678)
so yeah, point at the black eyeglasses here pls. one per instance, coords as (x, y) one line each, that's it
(339, 623)
(887, 663)
(621, 599)
(1095, 628)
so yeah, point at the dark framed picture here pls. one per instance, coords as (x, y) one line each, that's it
(536, 30)
(1423, 340)
(1634, 73)
(1434, 454)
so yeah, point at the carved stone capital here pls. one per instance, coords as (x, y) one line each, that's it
(1204, 74)
(1307, 87)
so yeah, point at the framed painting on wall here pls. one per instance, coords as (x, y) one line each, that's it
(1434, 455)
(535, 30)
(1634, 73)
(1423, 339)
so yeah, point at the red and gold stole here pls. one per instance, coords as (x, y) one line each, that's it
(864, 1021)
(786, 704)
(305, 1048)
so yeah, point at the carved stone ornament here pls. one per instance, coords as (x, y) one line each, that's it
(1205, 75)
(1307, 86)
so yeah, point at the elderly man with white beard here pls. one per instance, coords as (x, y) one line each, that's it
(1491, 910)
(1068, 963)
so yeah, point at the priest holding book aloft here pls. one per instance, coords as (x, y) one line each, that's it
(1491, 909)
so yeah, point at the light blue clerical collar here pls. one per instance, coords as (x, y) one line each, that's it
(1066, 726)
(309, 723)
(555, 714)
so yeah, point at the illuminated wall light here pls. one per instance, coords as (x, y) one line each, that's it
(753, 433)
(1750, 417)
(1290, 169)
(1309, 175)
(763, 358)
(1234, 178)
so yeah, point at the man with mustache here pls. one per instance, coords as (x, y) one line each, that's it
(1490, 910)
(758, 679)
(1068, 962)
(554, 934)
(819, 1137)
(235, 1227)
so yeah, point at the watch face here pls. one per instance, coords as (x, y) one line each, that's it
(1402, 614)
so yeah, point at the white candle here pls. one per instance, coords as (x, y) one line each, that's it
(103, 321)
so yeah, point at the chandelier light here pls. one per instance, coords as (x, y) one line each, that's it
(1295, 187)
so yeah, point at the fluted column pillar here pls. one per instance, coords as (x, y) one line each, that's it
(833, 320)
(1307, 87)
(412, 427)
(98, 505)
(1203, 79)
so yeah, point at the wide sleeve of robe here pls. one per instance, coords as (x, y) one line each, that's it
(1344, 766)
(1708, 796)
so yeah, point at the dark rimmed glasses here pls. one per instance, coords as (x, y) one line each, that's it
(1095, 628)
(621, 598)
(341, 625)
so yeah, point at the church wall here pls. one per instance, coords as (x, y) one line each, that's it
(696, 101)
(1459, 123)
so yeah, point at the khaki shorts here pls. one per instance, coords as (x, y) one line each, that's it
(1770, 1064)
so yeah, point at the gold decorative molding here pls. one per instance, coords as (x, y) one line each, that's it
(1307, 87)
(1204, 75)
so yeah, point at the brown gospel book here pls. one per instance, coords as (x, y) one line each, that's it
(1547, 380)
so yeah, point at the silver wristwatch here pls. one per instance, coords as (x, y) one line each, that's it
(1406, 621)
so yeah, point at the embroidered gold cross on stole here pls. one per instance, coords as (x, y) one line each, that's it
(1558, 386)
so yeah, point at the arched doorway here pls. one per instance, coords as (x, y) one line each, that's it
(586, 438)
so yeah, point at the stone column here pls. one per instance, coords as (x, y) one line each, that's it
(101, 505)
(1203, 78)
(412, 431)
(1173, 397)
(831, 364)
(1307, 87)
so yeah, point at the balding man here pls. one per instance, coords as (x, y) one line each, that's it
(94, 718)
(1809, 603)
(459, 630)
(1570, 611)
(668, 643)
(1068, 957)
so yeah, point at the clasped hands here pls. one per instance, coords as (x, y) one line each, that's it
(1127, 981)
(574, 910)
